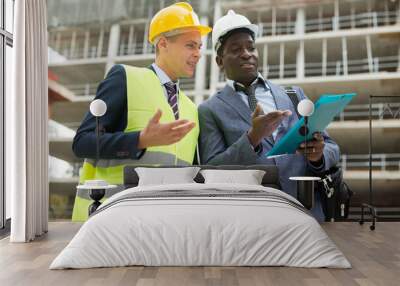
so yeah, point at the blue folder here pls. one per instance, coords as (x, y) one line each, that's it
(326, 108)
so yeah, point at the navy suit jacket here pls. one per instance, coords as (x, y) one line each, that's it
(114, 143)
(224, 121)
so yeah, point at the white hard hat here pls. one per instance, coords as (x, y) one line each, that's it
(231, 21)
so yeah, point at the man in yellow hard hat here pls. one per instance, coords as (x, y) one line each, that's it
(149, 120)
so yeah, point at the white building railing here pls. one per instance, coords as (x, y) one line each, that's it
(381, 162)
(279, 28)
(379, 111)
(362, 20)
(334, 68)
(92, 52)
(135, 49)
(345, 22)
(74, 45)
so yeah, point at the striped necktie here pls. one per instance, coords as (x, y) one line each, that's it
(172, 97)
(250, 92)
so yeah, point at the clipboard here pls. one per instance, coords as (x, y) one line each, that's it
(326, 108)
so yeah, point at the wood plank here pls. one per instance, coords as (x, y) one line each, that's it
(375, 257)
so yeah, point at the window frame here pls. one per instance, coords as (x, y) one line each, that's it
(6, 39)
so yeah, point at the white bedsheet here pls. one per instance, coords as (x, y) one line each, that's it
(185, 231)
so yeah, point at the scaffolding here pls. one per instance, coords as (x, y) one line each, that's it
(327, 46)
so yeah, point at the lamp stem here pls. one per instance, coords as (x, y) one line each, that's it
(97, 139)
(305, 142)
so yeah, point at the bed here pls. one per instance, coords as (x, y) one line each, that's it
(201, 224)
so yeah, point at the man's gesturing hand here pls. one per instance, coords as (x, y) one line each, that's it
(263, 125)
(158, 134)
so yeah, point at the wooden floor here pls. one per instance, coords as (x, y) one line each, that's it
(375, 256)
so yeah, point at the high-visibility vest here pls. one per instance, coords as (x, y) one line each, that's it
(145, 95)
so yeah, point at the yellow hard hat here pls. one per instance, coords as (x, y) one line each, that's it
(177, 16)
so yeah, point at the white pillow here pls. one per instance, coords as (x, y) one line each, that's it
(166, 176)
(248, 177)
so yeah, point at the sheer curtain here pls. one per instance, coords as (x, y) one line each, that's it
(26, 124)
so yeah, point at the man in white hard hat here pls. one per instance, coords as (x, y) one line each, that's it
(242, 122)
(149, 120)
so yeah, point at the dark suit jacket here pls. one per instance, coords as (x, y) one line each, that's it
(115, 143)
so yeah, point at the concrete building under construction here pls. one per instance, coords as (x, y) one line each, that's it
(324, 46)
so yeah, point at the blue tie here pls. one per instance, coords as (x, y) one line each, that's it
(172, 97)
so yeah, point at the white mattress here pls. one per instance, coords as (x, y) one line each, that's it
(189, 230)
